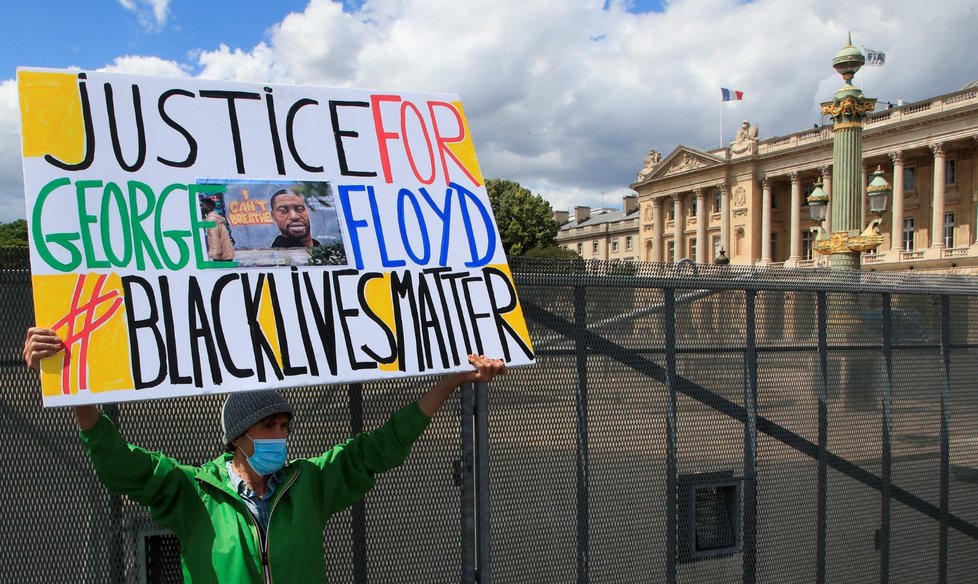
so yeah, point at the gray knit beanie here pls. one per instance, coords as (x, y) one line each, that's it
(242, 409)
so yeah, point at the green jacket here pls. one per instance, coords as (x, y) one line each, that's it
(219, 537)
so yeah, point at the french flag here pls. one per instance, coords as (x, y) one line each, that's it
(731, 94)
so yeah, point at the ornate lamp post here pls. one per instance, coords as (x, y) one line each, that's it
(848, 110)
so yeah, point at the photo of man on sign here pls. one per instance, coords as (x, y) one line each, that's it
(282, 223)
(292, 217)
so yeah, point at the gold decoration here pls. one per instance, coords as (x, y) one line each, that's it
(848, 106)
(842, 242)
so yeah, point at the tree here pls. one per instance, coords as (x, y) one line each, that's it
(525, 220)
(13, 234)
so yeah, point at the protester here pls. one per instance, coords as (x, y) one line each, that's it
(250, 515)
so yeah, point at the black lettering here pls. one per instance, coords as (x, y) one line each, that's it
(473, 315)
(502, 327)
(222, 343)
(191, 142)
(303, 327)
(89, 132)
(453, 281)
(339, 134)
(231, 96)
(171, 340)
(200, 330)
(290, 135)
(134, 324)
(273, 130)
(114, 128)
(283, 336)
(403, 288)
(259, 343)
(322, 313)
(391, 342)
(446, 311)
(344, 314)
(430, 324)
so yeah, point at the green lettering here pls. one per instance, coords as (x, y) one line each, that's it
(63, 239)
(84, 220)
(140, 240)
(113, 194)
(177, 236)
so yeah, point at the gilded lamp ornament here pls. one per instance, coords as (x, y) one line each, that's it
(877, 192)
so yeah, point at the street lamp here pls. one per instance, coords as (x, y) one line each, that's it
(848, 109)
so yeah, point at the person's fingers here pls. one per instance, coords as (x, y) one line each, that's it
(40, 344)
(486, 368)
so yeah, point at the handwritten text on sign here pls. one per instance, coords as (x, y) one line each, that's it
(190, 236)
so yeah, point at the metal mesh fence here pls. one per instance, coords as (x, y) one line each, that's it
(683, 424)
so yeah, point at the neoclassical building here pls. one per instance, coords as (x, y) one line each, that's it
(750, 198)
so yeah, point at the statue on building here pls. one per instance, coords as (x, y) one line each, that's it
(746, 140)
(651, 161)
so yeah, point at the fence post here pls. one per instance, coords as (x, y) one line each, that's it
(466, 483)
(886, 456)
(583, 466)
(823, 423)
(482, 483)
(358, 514)
(117, 552)
(671, 463)
(945, 435)
(750, 443)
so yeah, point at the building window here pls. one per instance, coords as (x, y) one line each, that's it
(671, 251)
(948, 229)
(672, 212)
(909, 178)
(594, 247)
(717, 201)
(693, 204)
(774, 247)
(807, 239)
(614, 245)
(949, 178)
(908, 233)
(716, 246)
(692, 248)
(580, 249)
(774, 197)
(628, 243)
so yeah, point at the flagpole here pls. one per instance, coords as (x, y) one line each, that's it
(721, 123)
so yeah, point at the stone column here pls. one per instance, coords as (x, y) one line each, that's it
(701, 220)
(658, 226)
(827, 187)
(937, 203)
(896, 230)
(725, 217)
(765, 221)
(864, 207)
(679, 227)
(795, 220)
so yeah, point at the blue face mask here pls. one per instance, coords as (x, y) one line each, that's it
(269, 455)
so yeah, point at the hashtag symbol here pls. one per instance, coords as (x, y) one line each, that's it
(80, 335)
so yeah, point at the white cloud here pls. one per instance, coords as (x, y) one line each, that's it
(152, 14)
(134, 64)
(567, 97)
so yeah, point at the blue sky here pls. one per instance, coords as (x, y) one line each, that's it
(565, 97)
(92, 34)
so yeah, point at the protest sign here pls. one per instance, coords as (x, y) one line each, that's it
(192, 236)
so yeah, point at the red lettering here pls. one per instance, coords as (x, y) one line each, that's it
(407, 145)
(383, 136)
(443, 141)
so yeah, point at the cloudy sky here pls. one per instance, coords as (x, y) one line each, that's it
(564, 96)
